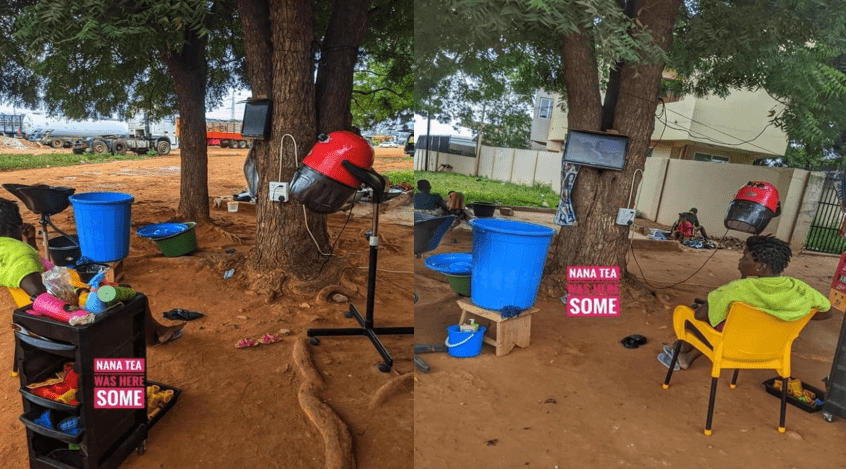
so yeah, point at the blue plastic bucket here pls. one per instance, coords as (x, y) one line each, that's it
(464, 344)
(508, 260)
(103, 221)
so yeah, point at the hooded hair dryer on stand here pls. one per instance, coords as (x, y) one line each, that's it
(330, 174)
(753, 207)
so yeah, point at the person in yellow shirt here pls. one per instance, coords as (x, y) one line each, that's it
(21, 268)
(761, 285)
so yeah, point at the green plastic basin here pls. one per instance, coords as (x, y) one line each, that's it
(459, 283)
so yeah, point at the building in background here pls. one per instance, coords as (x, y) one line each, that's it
(735, 129)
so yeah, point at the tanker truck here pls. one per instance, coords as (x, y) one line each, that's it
(59, 132)
(142, 144)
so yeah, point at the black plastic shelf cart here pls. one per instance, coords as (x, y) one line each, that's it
(109, 435)
(835, 400)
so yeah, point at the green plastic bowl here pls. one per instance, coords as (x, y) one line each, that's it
(179, 244)
(459, 283)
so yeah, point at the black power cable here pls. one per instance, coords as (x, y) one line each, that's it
(643, 276)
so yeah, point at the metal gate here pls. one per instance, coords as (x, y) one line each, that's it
(823, 235)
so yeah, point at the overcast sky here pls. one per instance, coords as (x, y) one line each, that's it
(227, 110)
(438, 128)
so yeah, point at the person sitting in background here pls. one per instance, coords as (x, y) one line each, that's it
(425, 201)
(455, 206)
(787, 298)
(682, 230)
(691, 217)
(22, 267)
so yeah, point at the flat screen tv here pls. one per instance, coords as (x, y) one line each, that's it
(256, 122)
(596, 149)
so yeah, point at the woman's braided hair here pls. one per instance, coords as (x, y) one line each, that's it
(10, 218)
(769, 250)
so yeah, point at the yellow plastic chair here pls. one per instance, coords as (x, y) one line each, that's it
(20, 296)
(751, 339)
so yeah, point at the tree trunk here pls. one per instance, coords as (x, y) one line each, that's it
(599, 193)
(338, 56)
(189, 71)
(283, 242)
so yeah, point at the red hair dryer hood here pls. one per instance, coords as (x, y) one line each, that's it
(754, 205)
(321, 183)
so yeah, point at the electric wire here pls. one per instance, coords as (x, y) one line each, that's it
(643, 275)
(666, 124)
(332, 248)
(305, 212)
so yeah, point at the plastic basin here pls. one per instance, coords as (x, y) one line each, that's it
(484, 209)
(179, 244)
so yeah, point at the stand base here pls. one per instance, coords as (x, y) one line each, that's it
(367, 330)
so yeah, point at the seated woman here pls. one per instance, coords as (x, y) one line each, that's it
(426, 202)
(690, 216)
(761, 285)
(455, 206)
(22, 268)
(682, 230)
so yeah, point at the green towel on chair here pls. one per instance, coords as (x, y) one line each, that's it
(786, 298)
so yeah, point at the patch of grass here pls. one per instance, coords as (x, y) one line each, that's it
(825, 240)
(24, 161)
(401, 175)
(480, 189)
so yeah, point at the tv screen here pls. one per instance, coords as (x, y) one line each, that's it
(256, 119)
(596, 149)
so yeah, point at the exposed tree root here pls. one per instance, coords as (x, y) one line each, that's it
(337, 440)
(399, 384)
(226, 234)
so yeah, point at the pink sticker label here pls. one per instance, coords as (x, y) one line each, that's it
(586, 306)
(593, 273)
(119, 365)
(119, 398)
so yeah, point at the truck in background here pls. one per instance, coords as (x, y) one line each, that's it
(226, 134)
(60, 132)
(10, 124)
(142, 136)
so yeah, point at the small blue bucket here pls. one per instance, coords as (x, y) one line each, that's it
(464, 344)
(103, 221)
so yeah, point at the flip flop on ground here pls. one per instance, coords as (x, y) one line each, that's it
(665, 360)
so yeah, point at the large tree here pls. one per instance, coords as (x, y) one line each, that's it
(287, 44)
(621, 49)
(96, 58)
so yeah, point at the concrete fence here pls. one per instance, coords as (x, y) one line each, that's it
(669, 186)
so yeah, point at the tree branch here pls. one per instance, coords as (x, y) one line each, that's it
(376, 91)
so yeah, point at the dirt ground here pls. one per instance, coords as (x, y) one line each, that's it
(240, 408)
(577, 398)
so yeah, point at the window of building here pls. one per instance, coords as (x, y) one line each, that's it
(545, 110)
(712, 158)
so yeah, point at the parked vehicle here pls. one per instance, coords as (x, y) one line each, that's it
(388, 145)
(161, 144)
(59, 132)
(10, 124)
(226, 134)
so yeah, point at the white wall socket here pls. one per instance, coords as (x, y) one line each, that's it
(625, 216)
(278, 191)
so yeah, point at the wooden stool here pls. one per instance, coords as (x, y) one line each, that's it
(115, 273)
(509, 332)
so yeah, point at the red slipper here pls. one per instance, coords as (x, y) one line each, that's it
(270, 339)
(244, 343)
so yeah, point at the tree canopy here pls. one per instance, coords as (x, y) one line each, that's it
(793, 49)
(96, 58)
(607, 59)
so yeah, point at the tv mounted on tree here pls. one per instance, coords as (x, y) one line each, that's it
(597, 149)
